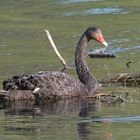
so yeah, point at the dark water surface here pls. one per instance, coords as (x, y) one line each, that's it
(24, 48)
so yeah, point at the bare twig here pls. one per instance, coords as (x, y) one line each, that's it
(56, 51)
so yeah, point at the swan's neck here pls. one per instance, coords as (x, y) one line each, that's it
(82, 69)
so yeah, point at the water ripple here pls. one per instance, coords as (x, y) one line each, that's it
(117, 50)
(2, 45)
(97, 11)
(78, 1)
(114, 119)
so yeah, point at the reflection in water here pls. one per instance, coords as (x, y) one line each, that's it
(21, 130)
(84, 131)
(75, 105)
(19, 108)
(82, 128)
(66, 106)
(88, 128)
(88, 131)
(54, 119)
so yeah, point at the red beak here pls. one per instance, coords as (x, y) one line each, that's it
(101, 40)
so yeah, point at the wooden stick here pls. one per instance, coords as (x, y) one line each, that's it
(56, 51)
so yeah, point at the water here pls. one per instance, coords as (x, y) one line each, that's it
(78, 1)
(116, 51)
(24, 48)
(98, 11)
(70, 119)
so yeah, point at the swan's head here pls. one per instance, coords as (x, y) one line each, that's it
(96, 34)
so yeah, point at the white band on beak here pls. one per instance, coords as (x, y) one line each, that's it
(105, 43)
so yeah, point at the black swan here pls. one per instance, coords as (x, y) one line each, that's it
(48, 84)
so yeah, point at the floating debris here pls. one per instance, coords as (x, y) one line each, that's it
(100, 53)
(110, 52)
(128, 63)
(125, 79)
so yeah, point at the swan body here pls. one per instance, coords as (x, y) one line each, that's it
(47, 84)
(60, 84)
